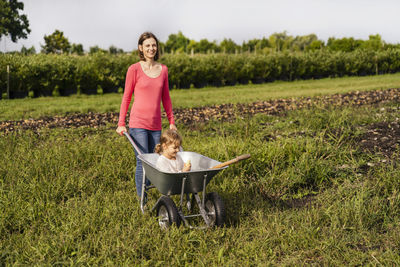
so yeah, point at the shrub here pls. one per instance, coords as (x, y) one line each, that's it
(64, 75)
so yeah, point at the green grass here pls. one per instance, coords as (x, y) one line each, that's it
(50, 106)
(67, 197)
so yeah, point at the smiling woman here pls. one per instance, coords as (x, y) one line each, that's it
(148, 81)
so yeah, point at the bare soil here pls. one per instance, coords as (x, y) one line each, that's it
(383, 137)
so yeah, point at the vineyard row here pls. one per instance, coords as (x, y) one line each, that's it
(44, 75)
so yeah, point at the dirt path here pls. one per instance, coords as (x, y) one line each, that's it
(225, 112)
(383, 137)
(229, 112)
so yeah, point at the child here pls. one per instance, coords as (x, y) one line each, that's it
(169, 160)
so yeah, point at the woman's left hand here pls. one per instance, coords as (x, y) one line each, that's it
(173, 127)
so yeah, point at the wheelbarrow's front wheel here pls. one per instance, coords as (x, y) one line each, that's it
(167, 213)
(215, 209)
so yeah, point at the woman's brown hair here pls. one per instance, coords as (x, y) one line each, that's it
(142, 38)
(168, 137)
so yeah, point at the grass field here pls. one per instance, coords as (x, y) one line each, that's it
(50, 106)
(311, 194)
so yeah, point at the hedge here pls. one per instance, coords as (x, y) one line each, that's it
(43, 75)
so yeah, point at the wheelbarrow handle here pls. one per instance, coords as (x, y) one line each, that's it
(133, 143)
(229, 162)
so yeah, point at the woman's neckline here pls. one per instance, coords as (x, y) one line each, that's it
(141, 67)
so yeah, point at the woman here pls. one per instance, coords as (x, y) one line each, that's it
(147, 80)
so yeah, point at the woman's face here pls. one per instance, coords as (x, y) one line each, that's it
(149, 48)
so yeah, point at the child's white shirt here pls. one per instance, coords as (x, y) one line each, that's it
(169, 165)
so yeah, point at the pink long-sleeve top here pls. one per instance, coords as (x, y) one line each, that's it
(148, 93)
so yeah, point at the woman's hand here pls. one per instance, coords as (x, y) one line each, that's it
(121, 129)
(173, 127)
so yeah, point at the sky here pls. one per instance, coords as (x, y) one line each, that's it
(120, 22)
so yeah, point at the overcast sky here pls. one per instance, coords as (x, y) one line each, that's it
(120, 22)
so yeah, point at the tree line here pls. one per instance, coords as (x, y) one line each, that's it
(277, 42)
(17, 26)
(58, 43)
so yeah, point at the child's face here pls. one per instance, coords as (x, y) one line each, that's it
(170, 150)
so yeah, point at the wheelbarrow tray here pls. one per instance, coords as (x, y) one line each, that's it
(171, 183)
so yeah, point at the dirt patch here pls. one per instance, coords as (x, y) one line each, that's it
(381, 137)
(90, 119)
(297, 203)
(230, 112)
(225, 112)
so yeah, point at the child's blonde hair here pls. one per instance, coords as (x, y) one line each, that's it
(168, 137)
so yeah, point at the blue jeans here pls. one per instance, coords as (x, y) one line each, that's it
(146, 141)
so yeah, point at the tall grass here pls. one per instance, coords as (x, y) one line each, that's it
(67, 197)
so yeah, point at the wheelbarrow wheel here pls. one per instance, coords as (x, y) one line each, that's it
(167, 213)
(215, 209)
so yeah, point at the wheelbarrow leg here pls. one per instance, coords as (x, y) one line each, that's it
(181, 203)
(201, 203)
(188, 202)
(203, 212)
(182, 191)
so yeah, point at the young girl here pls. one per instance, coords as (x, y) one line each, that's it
(168, 148)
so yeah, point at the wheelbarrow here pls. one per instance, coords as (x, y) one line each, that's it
(210, 205)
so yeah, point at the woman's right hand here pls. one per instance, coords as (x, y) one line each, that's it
(121, 129)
